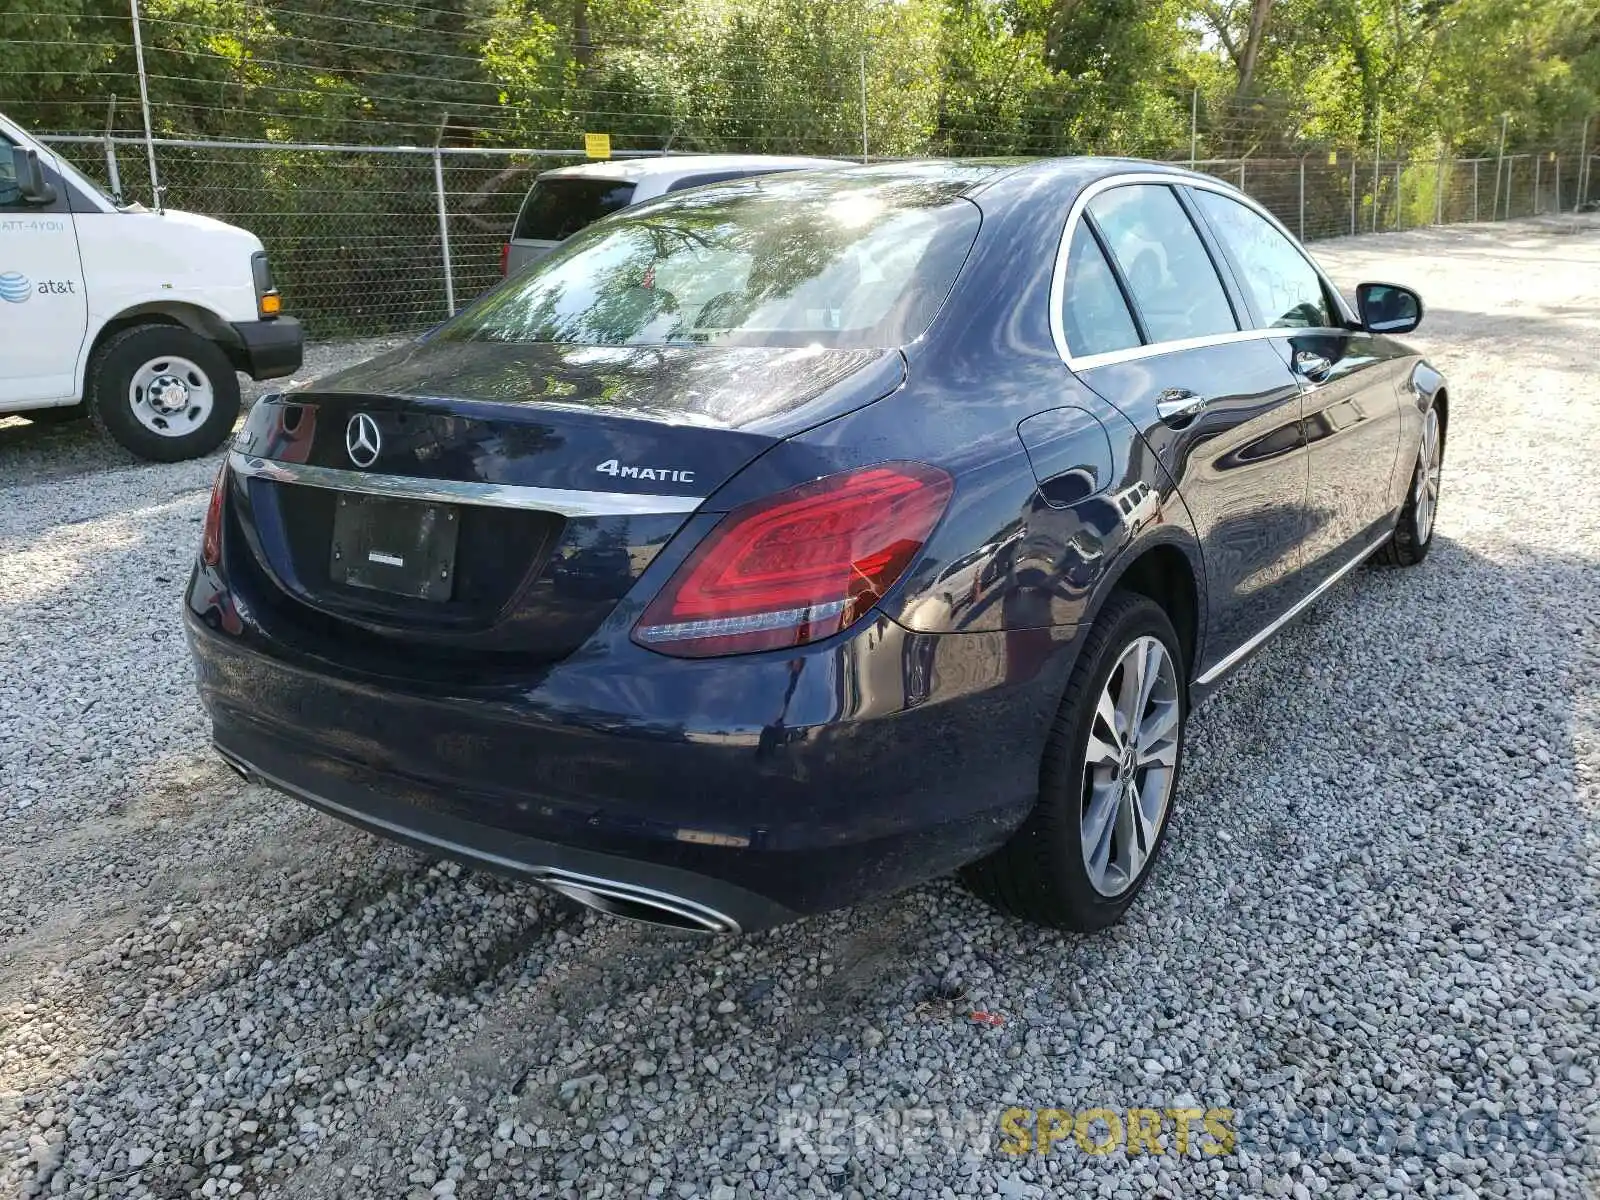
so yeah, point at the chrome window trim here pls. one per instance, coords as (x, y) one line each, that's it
(1232, 659)
(1058, 275)
(568, 503)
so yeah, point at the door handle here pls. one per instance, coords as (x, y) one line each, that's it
(1178, 406)
(1312, 366)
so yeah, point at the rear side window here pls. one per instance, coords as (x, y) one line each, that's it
(1283, 287)
(1093, 312)
(557, 208)
(1167, 267)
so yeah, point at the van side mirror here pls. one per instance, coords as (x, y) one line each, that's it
(1388, 308)
(32, 186)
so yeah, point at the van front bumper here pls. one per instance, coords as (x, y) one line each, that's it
(268, 349)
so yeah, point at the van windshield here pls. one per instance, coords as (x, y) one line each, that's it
(860, 262)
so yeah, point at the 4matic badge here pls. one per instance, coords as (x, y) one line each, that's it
(668, 474)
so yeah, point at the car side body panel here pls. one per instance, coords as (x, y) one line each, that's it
(1352, 424)
(1241, 467)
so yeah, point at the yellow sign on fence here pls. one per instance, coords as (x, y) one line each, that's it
(597, 145)
(1333, 158)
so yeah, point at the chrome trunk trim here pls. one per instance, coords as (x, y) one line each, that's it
(450, 491)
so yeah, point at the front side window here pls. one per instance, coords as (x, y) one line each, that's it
(1167, 267)
(779, 262)
(1284, 288)
(1094, 315)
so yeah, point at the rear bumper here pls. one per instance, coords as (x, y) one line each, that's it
(740, 792)
(268, 349)
(625, 887)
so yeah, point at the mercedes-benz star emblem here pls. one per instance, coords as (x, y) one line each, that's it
(362, 441)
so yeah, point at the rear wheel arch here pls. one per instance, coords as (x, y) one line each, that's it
(1037, 874)
(1045, 871)
(1169, 574)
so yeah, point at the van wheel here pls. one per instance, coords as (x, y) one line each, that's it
(1107, 780)
(163, 392)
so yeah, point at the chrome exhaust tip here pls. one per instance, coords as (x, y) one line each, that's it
(633, 903)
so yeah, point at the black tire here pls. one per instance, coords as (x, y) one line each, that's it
(1039, 875)
(124, 353)
(64, 415)
(1413, 536)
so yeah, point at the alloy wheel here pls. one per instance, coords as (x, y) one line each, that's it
(1425, 498)
(1130, 764)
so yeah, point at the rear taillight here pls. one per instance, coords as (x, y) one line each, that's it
(211, 531)
(505, 259)
(798, 566)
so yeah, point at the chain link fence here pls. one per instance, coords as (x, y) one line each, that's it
(357, 234)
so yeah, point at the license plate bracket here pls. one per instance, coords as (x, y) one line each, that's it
(402, 547)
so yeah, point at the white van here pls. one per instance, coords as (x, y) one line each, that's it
(136, 318)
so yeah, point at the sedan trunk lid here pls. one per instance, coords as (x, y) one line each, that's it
(474, 502)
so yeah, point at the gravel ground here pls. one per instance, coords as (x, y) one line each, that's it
(1373, 936)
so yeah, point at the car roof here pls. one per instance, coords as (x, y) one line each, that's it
(978, 174)
(1073, 170)
(997, 183)
(635, 169)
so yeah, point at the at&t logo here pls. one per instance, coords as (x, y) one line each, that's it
(17, 287)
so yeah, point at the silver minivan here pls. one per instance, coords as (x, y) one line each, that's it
(565, 200)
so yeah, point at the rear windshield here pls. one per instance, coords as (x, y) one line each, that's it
(782, 261)
(557, 208)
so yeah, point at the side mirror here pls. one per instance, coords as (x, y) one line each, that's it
(32, 185)
(1388, 308)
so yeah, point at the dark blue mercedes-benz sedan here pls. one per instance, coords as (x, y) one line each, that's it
(786, 542)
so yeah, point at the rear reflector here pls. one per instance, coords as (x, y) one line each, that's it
(211, 531)
(798, 566)
(505, 258)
